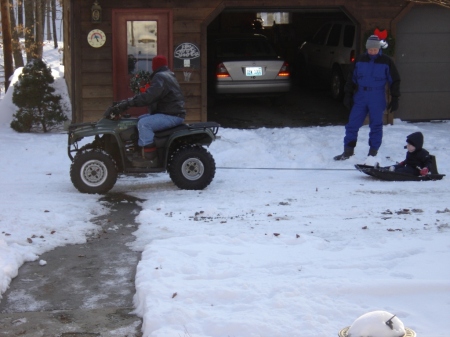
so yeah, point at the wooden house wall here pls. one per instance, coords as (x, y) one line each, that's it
(89, 71)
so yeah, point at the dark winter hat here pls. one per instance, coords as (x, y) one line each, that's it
(415, 139)
(159, 61)
(373, 42)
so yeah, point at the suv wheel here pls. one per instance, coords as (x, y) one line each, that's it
(337, 85)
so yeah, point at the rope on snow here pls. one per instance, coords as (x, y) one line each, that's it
(283, 169)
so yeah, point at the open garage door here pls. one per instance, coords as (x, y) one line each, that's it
(286, 29)
(422, 57)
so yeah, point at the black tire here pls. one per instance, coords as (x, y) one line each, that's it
(192, 168)
(337, 85)
(93, 172)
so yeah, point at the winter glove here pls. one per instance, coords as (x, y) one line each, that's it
(402, 163)
(424, 171)
(393, 104)
(348, 100)
(122, 106)
(392, 168)
(108, 111)
(112, 113)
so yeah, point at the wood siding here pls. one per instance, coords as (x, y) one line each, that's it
(89, 70)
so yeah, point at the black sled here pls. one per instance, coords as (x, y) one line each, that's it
(383, 173)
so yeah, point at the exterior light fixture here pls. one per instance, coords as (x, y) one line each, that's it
(96, 9)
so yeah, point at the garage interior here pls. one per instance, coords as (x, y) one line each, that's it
(305, 105)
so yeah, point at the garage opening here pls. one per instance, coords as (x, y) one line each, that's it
(240, 92)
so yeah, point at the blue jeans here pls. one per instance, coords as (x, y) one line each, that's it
(149, 124)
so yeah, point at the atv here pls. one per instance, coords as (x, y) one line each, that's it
(112, 149)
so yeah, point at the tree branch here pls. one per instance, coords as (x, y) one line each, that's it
(443, 3)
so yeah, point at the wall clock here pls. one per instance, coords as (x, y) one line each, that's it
(96, 38)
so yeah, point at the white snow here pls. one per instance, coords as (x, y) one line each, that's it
(284, 242)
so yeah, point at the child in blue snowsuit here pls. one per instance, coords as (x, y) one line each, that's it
(365, 94)
(418, 160)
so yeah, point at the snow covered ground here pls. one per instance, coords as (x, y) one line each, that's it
(284, 242)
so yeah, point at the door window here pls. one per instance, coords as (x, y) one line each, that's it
(335, 34)
(142, 45)
(321, 35)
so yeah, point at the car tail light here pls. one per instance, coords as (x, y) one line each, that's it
(352, 55)
(221, 71)
(284, 71)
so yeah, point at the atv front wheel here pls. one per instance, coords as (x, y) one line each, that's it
(93, 172)
(192, 168)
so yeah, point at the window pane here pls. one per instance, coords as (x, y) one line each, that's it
(335, 34)
(270, 18)
(142, 45)
(321, 35)
(349, 36)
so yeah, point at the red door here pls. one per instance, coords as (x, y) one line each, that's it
(138, 35)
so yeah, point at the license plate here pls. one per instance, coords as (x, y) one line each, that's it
(253, 71)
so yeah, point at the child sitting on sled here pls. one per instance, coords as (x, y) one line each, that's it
(418, 161)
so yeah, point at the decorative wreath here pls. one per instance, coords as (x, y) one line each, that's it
(140, 81)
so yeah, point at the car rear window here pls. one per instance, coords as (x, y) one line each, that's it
(349, 36)
(243, 48)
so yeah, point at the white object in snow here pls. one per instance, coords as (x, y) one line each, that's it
(371, 161)
(377, 323)
(42, 262)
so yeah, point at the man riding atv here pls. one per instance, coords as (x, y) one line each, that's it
(165, 103)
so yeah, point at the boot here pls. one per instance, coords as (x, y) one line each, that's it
(147, 157)
(348, 152)
(149, 152)
(373, 152)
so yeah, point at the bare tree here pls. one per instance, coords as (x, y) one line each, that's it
(16, 46)
(7, 45)
(20, 17)
(444, 3)
(55, 36)
(29, 29)
(47, 20)
(39, 32)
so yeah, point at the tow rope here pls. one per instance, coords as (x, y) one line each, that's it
(282, 169)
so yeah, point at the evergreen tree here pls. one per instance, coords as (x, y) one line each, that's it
(33, 95)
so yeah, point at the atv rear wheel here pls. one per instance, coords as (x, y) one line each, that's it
(192, 168)
(93, 172)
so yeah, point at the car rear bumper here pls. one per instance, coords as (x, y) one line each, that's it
(251, 87)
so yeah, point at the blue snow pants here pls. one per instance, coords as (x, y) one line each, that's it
(367, 101)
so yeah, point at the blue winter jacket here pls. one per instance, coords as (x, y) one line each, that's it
(373, 72)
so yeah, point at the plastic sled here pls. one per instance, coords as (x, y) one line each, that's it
(384, 173)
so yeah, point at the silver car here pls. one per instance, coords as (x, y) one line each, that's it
(248, 65)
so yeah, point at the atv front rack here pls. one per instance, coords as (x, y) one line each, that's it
(73, 127)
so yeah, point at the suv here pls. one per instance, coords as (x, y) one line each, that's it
(328, 55)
